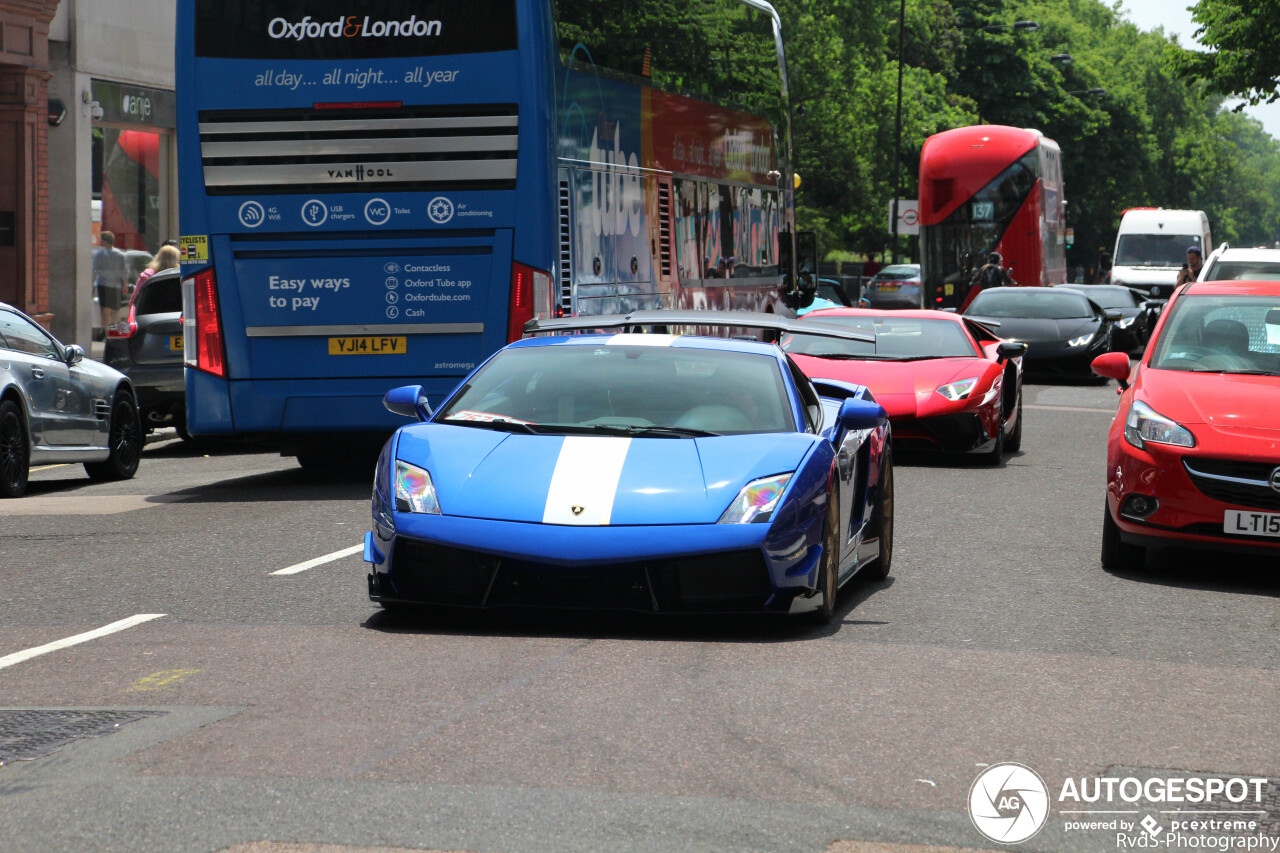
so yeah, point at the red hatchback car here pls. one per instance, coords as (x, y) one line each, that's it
(947, 382)
(1193, 456)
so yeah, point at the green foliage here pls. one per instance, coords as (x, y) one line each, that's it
(1242, 36)
(1152, 139)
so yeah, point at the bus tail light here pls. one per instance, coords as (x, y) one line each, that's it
(204, 347)
(530, 298)
(126, 328)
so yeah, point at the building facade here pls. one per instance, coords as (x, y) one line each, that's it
(88, 111)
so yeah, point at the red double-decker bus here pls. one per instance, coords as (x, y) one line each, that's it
(984, 189)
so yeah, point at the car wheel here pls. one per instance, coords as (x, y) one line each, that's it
(124, 441)
(995, 455)
(15, 451)
(1116, 553)
(829, 569)
(1014, 442)
(882, 519)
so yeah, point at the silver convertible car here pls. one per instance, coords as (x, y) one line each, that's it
(57, 407)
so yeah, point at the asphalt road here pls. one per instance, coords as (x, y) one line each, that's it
(285, 708)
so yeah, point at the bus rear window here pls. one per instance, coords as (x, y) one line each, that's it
(340, 29)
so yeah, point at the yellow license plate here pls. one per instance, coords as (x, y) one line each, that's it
(368, 345)
(175, 343)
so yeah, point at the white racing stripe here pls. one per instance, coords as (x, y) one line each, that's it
(19, 657)
(319, 561)
(586, 478)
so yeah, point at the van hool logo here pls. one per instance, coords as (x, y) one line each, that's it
(1008, 803)
(350, 26)
(360, 173)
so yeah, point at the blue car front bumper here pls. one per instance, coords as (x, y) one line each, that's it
(470, 562)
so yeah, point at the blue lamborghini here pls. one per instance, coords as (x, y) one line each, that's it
(652, 472)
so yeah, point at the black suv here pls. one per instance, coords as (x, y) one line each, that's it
(147, 347)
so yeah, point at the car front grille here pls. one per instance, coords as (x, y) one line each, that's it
(1235, 482)
(437, 574)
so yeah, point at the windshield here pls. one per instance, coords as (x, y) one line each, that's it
(1111, 297)
(898, 273)
(897, 339)
(625, 390)
(1221, 334)
(1154, 250)
(1245, 271)
(1030, 303)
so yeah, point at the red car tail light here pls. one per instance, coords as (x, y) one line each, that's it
(530, 298)
(125, 329)
(210, 349)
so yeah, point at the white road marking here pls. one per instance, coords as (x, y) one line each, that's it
(320, 561)
(19, 657)
(585, 481)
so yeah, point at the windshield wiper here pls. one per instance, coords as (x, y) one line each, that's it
(500, 426)
(1235, 372)
(654, 431)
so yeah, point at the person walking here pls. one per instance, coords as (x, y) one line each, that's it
(110, 276)
(990, 274)
(1191, 269)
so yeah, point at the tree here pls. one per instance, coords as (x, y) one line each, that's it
(1243, 60)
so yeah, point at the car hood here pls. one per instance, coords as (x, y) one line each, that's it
(482, 473)
(1041, 331)
(903, 388)
(1233, 403)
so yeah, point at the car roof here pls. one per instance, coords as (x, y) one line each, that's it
(632, 339)
(1233, 288)
(1257, 254)
(900, 267)
(926, 313)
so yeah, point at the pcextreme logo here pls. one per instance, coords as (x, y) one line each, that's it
(351, 26)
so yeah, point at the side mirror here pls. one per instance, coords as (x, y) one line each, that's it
(1112, 316)
(408, 401)
(856, 413)
(1011, 349)
(1113, 365)
(74, 354)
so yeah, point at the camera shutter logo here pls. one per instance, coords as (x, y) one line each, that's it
(1008, 803)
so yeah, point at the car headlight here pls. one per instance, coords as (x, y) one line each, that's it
(1144, 424)
(1080, 341)
(757, 500)
(414, 490)
(957, 390)
(1125, 323)
(381, 495)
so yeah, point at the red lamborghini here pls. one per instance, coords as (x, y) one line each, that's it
(1193, 456)
(947, 382)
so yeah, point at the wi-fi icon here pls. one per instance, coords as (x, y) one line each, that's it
(251, 214)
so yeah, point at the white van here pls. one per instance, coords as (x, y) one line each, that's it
(1151, 247)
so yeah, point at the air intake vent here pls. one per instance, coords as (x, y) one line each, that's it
(566, 252)
(664, 229)
(359, 150)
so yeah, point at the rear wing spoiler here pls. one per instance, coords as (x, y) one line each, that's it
(637, 320)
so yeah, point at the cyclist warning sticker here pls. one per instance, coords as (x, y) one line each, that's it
(194, 250)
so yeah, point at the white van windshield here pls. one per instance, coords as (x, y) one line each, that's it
(1154, 250)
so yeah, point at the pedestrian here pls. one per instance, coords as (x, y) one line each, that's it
(166, 258)
(990, 274)
(110, 276)
(870, 266)
(1191, 269)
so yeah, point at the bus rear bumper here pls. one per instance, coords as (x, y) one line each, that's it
(296, 406)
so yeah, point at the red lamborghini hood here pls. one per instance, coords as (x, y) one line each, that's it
(899, 386)
(1224, 400)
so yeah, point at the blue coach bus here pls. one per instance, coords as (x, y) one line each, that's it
(383, 193)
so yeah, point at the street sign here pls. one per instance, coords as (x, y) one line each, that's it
(908, 216)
